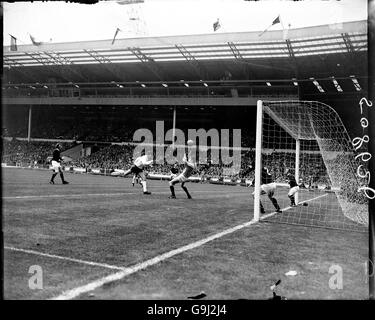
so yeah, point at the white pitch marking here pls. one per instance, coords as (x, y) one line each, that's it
(96, 264)
(321, 196)
(73, 293)
(68, 196)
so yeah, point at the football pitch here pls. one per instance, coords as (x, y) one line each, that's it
(101, 238)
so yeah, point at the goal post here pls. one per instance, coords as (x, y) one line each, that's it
(297, 164)
(258, 159)
(308, 140)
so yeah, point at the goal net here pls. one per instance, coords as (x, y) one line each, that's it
(307, 140)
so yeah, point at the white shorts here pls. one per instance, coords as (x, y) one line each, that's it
(268, 189)
(293, 190)
(56, 166)
(181, 178)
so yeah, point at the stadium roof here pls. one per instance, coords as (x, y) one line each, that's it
(322, 51)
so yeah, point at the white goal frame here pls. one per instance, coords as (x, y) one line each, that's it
(258, 160)
(295, 135)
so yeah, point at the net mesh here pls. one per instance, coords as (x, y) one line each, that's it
(328, 193)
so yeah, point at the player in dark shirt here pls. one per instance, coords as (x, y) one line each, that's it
(204, 168)
(292, 180)
(174, 170)
(56, 165)
(136, 179)
(293, 187)
(266, 176)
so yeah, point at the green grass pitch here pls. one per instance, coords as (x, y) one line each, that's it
(106, 221)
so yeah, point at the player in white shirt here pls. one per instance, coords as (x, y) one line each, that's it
(190, 165)
(137, 169)
(268, 187)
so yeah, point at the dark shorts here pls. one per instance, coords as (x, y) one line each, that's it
(135, 170)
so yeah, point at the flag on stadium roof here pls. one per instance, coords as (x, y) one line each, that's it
(216, 25)
(114, 38)
(13, 43)
(275, 21)
(35, 43)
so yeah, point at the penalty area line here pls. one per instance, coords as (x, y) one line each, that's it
(75, 292)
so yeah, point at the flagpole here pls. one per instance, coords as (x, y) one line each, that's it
(114, 38)
(265, 30)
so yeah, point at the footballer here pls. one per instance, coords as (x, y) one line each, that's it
(137, 169)
(174, 171)
(56, 165)
(136, 179)
(190, 166)
(294, 188)
(268, 187)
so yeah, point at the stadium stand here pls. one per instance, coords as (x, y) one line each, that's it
(110, 157)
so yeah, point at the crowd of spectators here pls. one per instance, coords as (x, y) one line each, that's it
(114, 156)
(312, 170)
(24, 153)
(110, 157)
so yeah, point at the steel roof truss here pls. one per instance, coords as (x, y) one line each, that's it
(200, 70)
(148, 61)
